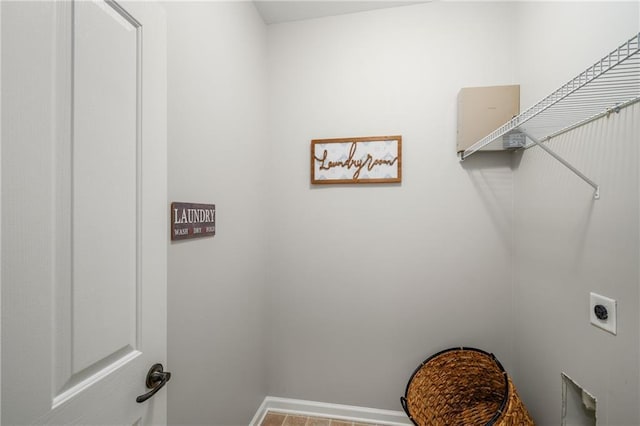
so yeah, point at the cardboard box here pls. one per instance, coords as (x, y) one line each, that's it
(481, 110)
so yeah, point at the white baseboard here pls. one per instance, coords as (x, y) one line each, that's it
(334, 411)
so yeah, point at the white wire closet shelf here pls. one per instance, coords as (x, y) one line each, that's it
(605, 87)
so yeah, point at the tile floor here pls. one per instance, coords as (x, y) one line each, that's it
(281, 419)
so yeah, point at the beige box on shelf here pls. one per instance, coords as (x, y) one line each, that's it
(481, 110)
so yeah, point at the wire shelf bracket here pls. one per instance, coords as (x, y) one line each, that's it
(595, 186)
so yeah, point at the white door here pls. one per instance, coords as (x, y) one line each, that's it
(84, 211)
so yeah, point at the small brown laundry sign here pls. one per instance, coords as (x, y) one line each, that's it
(191, 220)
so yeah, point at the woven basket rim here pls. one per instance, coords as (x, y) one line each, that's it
(505, 399)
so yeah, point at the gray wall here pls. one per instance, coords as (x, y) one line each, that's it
(336, 293)
(366, 281)
(217, 143)
(567, 244)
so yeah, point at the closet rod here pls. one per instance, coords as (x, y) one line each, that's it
(596, 187)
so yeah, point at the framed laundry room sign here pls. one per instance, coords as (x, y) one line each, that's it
(376, 159)
(192, 220)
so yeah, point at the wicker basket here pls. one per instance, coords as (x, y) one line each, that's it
(463, 386)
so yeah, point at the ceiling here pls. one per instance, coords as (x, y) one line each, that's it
(278, 11)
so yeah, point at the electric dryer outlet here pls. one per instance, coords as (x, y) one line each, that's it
(603, 312)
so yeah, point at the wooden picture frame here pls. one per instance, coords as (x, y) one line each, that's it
(376, 159)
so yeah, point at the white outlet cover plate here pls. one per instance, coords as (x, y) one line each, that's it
(610, 323)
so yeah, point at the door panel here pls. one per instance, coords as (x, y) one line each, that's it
(84, 224)
(105, 184)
